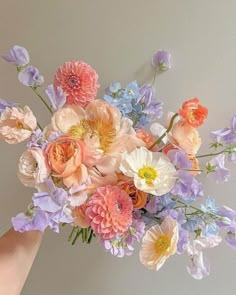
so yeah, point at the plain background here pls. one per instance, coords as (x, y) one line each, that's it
(118, 39)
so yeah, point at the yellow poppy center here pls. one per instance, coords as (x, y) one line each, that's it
(102, 131)
(148, 173)
(162, 244)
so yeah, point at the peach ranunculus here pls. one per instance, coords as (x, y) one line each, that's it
(185, 137)
(195, 165)
(147, 138)
(79, 82)
(16, 125)
(33, 168)
(105, 134)
(194, 113)
(159, 243)
(65, 156)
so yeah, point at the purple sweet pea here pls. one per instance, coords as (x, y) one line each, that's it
(179, 159)
(30, 76)
(187, 187)
(6, 104)
(17, 55)
(37, 139)
(226, 135)
(161, 60)
(216, 169)
(37, 219)
(56, 97)
(54, 201)
(183, 240)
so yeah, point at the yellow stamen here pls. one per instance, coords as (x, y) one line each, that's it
(148, 173)
(162, 244)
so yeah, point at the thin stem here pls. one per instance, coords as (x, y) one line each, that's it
(211, 154)
(77, 235)
(40, 127)
(154, 77)
(90, 236)
(165, 133)
(42, 99)
(72, 233)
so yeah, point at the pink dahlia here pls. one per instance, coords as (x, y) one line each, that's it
(109, 211)
(79, 82)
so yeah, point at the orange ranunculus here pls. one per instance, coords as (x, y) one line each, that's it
(185, 137)
(194, 113)
(138, 197)
(65, 155)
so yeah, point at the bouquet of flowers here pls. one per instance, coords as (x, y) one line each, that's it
(109, 169)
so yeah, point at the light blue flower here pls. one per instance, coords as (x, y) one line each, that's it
(209, 206)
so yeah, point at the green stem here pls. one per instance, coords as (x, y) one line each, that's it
(76, 236)
(154, 77)
(211, 154)
(72, 233)
(40, 127)
(90, 236)
(42, 99)
(165, 133)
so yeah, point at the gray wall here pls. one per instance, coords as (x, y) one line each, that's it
(118, 38)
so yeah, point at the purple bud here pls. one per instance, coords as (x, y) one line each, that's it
(161, 60)
(30, 76)
(17, 55)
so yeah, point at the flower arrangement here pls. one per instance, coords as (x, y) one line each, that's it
(109, 169)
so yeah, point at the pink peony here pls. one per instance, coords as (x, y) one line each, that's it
(78, 81)
(109, 211)
(16, 125)
(33, 168)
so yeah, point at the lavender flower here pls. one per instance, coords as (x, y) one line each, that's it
(230, 239)
(56, 97)
(37, 139)
(183, 240)
(161, 60)
(6, 104)
(35, 219)
(179, 159)
(30, 76)
(55, 202)
(17, 55)
(159, 203)
(226, 135)
(215, 169)
(187, 187)
(124, 244)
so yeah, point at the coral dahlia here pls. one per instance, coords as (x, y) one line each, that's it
(79, 82)
(109, 211)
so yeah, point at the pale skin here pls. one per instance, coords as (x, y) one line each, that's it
(17, 254)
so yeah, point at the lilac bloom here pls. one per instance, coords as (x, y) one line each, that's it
(226, 135)
(147, 94)
(161, 60)
(37, 139)
(187, 187)
(30, 76)
(182, 241)
(228, 217)
(6, 104)
(192, 224)
(179, 159)
(199, 266)
(123, 245)
(209, 206)
(217, 170)
(56, 97)
(159, 203)
(54, 201)
(36, 219)
(17, 55)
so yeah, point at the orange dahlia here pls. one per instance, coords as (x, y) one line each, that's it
(79, 82)
(109, 211)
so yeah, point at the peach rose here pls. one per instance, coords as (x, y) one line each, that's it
(65, 156)
(16, 125)
(33, 168)
(185, 137)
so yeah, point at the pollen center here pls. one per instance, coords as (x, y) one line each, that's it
(162, 244)
(148, 173)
